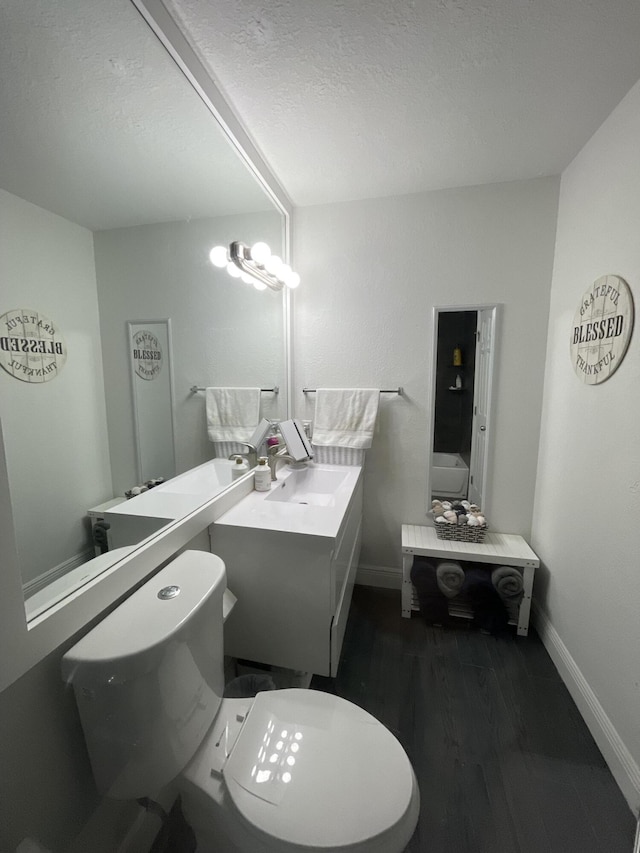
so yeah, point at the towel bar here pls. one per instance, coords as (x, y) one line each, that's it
(274, 390)
(399, 390)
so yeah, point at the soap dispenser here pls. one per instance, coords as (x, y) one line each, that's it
(262, 475)
(239, 468)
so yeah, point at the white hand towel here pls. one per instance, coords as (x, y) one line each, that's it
(232, 413)
(345, 417)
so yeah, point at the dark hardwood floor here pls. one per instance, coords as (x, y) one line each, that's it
(504, 761)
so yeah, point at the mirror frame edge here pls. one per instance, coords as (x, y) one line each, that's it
(13, 622)
(163, 25)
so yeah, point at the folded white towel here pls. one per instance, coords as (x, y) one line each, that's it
(345, 417)
(339, 455)
(232, 413)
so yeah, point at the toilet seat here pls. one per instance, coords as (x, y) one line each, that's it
(310, 771)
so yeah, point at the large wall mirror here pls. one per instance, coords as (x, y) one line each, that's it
(115, 182)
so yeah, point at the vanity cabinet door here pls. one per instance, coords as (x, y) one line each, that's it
(293, 590)
(343, 555)
(282, 582)
(344, 568)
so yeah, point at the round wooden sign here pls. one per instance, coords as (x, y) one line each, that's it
(31, 346)
(602, 328)
(146, 354)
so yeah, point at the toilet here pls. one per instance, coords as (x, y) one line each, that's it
(289, 771)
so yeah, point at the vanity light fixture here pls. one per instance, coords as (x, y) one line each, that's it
(255, 265)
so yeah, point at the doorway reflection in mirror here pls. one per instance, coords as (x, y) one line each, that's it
(464, 351)
(453, 403)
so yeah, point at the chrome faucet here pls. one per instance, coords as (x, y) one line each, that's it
(251, 455)
(277, 454)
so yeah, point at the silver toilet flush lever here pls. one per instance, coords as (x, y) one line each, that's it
(168, 592)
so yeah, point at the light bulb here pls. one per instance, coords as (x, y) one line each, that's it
(260, 252)
(292, 280)
(273, 264)
(259, 285)
(248, 279)
(218, 256)
(233, 270)
(284, 271)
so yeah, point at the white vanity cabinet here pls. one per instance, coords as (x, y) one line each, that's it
(293, 587)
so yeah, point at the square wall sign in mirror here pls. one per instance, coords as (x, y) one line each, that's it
(150, 360)
(116, 181)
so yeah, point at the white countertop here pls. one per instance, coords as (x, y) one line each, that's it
(179, 496)
(160, 505)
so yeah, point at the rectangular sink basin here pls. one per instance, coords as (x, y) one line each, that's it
(312, 486)
(311, 501)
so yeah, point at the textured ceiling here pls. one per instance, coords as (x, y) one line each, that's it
(360, 99)
(98, 125)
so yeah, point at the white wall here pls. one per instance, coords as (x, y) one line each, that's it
(55, 432)
(372, 271)
(224, 332)
(588, 488)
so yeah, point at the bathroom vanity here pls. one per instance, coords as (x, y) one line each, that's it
(291, 556)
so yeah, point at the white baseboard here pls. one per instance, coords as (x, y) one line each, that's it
(380, 576)
(623, 766)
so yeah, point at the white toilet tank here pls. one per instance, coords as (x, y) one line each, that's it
(149, 678)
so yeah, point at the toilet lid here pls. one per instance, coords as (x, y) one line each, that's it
(315, 770)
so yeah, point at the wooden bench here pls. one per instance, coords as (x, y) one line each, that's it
(500, 549)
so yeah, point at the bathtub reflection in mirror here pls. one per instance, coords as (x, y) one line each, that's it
(449, 476)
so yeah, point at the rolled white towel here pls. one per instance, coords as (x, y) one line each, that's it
(508, 582)
(450, 577)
